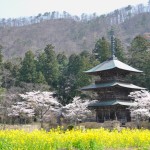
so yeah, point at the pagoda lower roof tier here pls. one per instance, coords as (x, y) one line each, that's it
(110, 103)
(111, 64)
(111, 84)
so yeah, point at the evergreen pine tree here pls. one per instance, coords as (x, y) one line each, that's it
(102, 49)
(28, 69)
(119, 50)
(51, 67)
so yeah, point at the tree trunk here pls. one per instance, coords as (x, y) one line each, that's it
(138, 122)
(41, 121)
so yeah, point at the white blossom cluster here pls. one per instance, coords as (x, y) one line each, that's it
(21, 109)
(33, 102)
(77, 110)
(43, 105)
(141, 107)
(40, 99)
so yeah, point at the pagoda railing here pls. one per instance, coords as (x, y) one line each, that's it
(108, 79)
(111, 97)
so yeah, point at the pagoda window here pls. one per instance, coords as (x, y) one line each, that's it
(112, 115)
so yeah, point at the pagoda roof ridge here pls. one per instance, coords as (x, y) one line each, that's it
(110, 103)
(112, 84)
(110, 64)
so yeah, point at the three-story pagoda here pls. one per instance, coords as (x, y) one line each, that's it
(112, 89)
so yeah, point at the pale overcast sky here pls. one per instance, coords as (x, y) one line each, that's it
(23, 8)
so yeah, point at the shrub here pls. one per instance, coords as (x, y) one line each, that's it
(91, 125)
(70, 127)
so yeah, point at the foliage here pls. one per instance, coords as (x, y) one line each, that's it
(77, 110)
(119, 50)
(91, 125)
(55, 139)
(82, 32)
(28, 69)
(73, 78)
(50, 66)
(140, 58)
(8, 98)
(102, 49)
(141, 108)
(1, 56)
(21, 109)
(11, 72)
(40, 78)
(138, 44)
(65, 75)
(35, 103)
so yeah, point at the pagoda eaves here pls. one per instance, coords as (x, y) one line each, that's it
(111, 103)
(111, 64)
(112, 89)
(112, 84)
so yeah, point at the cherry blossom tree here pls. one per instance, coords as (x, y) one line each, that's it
(77, 110)
(140, 110)
(35, 103)
(21, 110)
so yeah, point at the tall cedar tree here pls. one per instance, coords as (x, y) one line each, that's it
(1, 56)
(51, 66)
(40, 79)
(119, 50)
(140, 58)
(67, 87)
(1, 67)
(62, 61)
(73, 77)
(102, 49)
(28, 70)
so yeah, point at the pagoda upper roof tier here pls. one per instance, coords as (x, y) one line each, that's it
(112, 84)
(110, 103)
(110, 64)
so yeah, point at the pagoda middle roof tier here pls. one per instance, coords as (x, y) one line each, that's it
(110, 103)
(110, 64)
(112, 84)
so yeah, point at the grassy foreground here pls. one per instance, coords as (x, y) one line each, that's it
(93, 139)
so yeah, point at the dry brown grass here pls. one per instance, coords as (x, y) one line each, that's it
(106, 124)
(91, 125)
(28, 127)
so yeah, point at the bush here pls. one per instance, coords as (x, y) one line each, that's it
(91, 125)
(131, 125)
(145, 124)
(70, 127)
(112, 125)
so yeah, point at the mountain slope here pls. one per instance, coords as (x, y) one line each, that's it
(68, 35)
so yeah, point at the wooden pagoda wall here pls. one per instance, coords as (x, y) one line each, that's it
(120, 113)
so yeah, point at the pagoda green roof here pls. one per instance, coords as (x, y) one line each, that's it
(112, 64)
(112, 84)
(110, 103)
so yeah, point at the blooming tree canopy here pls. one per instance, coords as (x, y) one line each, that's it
(35, 102)
(77, 110)
(141, 105)
(21, 109)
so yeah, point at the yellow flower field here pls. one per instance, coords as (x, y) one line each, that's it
(90, 139)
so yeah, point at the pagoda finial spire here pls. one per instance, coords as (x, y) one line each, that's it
(112, 43)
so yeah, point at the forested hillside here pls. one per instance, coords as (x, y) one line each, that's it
(71, 34)
(51, 51)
